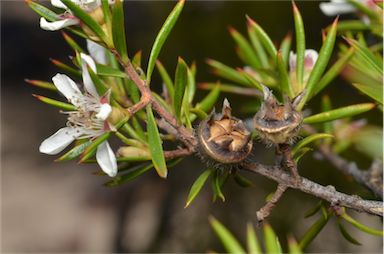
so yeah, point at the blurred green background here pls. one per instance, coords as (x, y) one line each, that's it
(62, 207)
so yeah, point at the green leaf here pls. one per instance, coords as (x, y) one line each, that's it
(245, 49)
(334, 71)
(285, 48)
(227, 72)
(87, 19)
(314, 210)
(197, 185)
(360, 226)
(300, 45)
(373, 90)
(339, 113)
(300, 153)
(191, 82)
(118, 30)
(72, 43)
(364, 9)
(252, 241)
(166, 79)
(74, 152)
(310, 139)
(227, 239)
(108, 71)
(43, 11)
(231, 88)
(369, 140)
(352, 25)
(326, 105)
(199, 113)
(293, 246)
(90, 150)
(263, 36)
(242, 181)
(258, 47)
(286, 87)
(181, 79)
(55, 103)
(132, 174)
(314, 230)
(155, 144)
(216, 184)
(207, 103)
(41, 84)
(345, 233)
(66, 67)
(320, 65)
(107, 13)
(162, 36)
(99, 84)
(272, 244)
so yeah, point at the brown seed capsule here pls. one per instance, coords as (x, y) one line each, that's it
(224, 138)
(277, 123)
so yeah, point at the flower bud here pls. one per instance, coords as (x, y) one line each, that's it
(98, 15)
(116, 115)
(224, 138)
(277, 123)
(133, 152)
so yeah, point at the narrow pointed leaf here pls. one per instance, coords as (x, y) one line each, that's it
(91, 149)
(360, 226)
(231, 88)
(181, 79)
(43, 11)
(252, 241)
(118, 30)
(272, 244)
(321, 63)
(88, 20)
(196, 186)
(227, 72)
(162, 36)
(301, 152)
(300, 44)
(230, 243)
(314, 230)
(166, 79)
(346, 235)
(155, 144)
(285, 48)
(264, 38)
(258, 47)
(75, 152)
(72, 43)
(41, 84)
(132, 174)
(199, 113)
(105, 70)
(335, 70)
(373, 90)
(217, 186)
(314, 210)
(286, 87)
(293, 247)
(309, 140)
(242, 181)
(66, 67)
(246, 50)
(101, 87)
(55, 103)
(339, 113)
(207, 103)
(191, 83)
(106, 12)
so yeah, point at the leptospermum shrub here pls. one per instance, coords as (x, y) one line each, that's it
(108, 94)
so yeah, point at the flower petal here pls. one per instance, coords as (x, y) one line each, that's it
(67, 87)
(104, 112)
(58, 4)
(59, 141)
(88, 83)
(57, 25)
(97, 52)
(336, 8)
(310, 58)
(106, 159)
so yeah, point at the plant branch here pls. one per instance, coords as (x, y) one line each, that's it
(267, 208)
(327, 193)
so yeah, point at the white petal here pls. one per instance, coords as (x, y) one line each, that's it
(292, 61)
(106, 159)
(59, 141)
(105, 111)
(88, 83)
(57, 25)
(310, 58)
(58, 4)
(97, 52)
(336, 8)
(67, 87)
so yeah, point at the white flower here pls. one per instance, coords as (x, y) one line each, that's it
(67, 18)
(310, 58)
(89, 120)
(98, 53)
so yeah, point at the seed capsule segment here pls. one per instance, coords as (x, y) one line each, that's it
(223, 137)
(277, 123)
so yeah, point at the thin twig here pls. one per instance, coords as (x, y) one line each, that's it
(177, 153)
(327, 193)
(264, 212)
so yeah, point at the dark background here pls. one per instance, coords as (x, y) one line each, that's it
(62, 207)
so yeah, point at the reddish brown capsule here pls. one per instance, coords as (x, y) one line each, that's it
(224, 138)
(277, 123)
